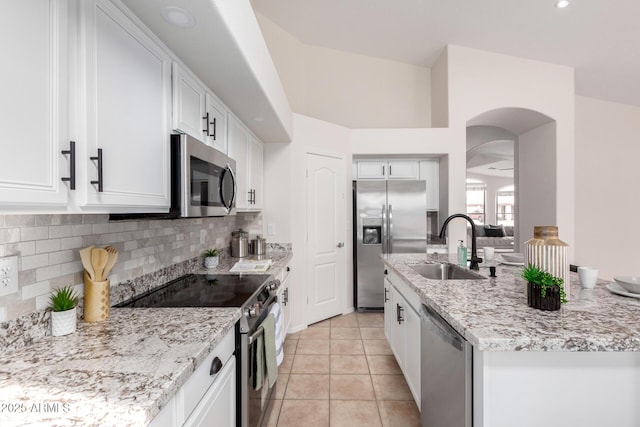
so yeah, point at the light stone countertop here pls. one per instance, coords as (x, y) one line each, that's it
(120, 372)
(493, 314)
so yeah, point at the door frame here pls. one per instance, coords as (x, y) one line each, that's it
(343, 158)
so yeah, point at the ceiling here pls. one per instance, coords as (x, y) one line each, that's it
(600, 39)
(494, 158)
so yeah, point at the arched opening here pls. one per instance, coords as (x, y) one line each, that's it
(515, 147)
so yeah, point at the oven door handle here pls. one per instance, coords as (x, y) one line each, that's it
(256, 334)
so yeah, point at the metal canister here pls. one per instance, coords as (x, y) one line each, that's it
(258, 246)
(239, 244)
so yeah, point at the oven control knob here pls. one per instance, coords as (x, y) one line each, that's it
(253, 310)
(272, 286)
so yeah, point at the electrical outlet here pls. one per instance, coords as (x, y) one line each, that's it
(8, 275)
(271, 229)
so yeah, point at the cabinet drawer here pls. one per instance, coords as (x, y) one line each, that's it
(193, 390)
(218, 405)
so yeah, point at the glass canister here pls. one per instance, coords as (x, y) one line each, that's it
(547, 252)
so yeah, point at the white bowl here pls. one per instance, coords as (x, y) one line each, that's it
(514, 257)
(630, 283)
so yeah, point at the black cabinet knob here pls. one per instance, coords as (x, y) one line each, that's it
(216, 365)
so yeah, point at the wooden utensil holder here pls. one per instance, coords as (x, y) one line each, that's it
(96, 299)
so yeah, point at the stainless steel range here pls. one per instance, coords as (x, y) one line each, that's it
(254, 294)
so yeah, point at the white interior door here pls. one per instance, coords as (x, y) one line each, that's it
(326, 237)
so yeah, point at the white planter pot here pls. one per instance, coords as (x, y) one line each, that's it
(211, 262)
(63, 322)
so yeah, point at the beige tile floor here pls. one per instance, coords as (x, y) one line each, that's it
(341, 372)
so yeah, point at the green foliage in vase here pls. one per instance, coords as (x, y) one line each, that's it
(211, 252)
(63, 299)
(546, 280)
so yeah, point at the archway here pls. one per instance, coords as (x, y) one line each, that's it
(532, 164)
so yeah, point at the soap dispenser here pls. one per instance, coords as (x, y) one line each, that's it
(462, 254)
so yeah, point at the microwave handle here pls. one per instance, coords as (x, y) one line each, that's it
(233, 196)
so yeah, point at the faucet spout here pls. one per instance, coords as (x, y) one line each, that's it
(475, 260)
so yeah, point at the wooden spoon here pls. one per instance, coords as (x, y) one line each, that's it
(85, 256)
(113, 257)
(99, 258)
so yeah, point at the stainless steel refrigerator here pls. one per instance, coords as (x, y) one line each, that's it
(389, 217)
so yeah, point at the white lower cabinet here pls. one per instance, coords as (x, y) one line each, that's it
(402, 329)
(283, 299)
(208, 397)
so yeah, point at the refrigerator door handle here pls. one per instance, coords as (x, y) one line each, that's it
(390, 228)
(384, 230)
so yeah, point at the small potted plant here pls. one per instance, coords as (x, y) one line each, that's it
(544, 290)
(63, 311)
(211, 258)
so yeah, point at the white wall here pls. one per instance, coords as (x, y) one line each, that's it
(482, 81)
(606, 194)
(537, 181)
(351, 90)
(440, 92)
(278, 185)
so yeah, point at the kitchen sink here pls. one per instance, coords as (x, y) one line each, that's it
(445, 271)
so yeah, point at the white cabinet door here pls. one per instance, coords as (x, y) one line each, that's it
(256, 157)
(238, 150)
(403, 169)
(218, 405)
(285, 305)
(167, 416)
(372, 169)
(412, 351)
(189, 101)
(215, 123)
(33, 109)
(430, 172)
(128, 83)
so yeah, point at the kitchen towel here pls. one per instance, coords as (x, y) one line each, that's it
(276, 311)
(264, 364)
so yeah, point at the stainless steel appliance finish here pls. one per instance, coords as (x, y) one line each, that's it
(239, 244)
(389, 217)
(258, 246)
(446, 374)
(207, 180)
(254, 294)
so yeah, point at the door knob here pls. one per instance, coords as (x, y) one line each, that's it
(340, 244)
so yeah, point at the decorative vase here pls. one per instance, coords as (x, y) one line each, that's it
(96, 299)
(551, 300)
(63, 322)
(547, 252)
(211, 261)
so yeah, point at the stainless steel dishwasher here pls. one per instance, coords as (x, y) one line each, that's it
(446, 374)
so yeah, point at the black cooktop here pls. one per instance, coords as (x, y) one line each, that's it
(202, 290)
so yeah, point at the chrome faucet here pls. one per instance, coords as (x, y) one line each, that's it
(474, 254)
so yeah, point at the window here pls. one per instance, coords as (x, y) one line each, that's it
(476, 196)
(505, 206)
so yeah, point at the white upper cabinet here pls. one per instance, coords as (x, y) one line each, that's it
(196, 111)
(33, 109)
(189, 100)
(430, 172)
(215, 123)
(383, 169)
(248, 152)
(127, 104)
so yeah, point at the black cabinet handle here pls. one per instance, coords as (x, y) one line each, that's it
(214, 127)
(386, 294)
(285, 295)
(389, 170)
(216, 365)
(288, 268)
(382, 170)
(399, 313)
(100, 180)
(206, 120)
(71, 179)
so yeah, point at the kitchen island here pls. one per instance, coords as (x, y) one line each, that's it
(581, 363)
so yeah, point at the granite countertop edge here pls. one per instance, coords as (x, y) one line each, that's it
(493, 315)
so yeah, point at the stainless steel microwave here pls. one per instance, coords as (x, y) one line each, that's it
(204, 177)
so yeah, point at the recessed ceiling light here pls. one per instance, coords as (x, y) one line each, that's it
(561, 4)
(178, 16)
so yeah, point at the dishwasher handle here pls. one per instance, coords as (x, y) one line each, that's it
(443, 329)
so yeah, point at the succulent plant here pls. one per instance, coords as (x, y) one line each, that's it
(63, 299)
